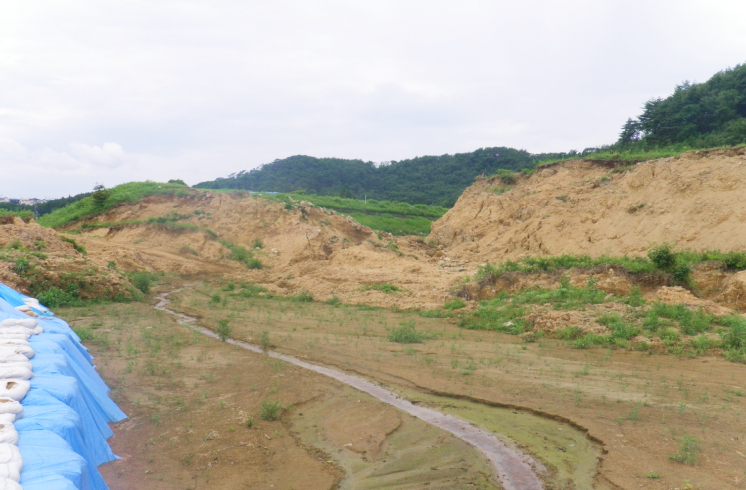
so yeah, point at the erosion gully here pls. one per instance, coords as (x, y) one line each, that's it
(514, 469)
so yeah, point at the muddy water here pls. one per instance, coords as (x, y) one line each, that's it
(515, 469)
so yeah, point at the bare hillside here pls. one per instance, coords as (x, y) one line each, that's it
(578, 207)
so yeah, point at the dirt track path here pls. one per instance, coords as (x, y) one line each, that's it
(515, 470)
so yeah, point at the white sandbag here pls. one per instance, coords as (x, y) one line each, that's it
(18, 336)
(8, 434)
(10, 355)
(19, 322)
(15, 371)
(4, 341)
(9, 453)
(8, 405)
(15, 389)
(7, 418)
(11, 471)
(20, 329)
(20, 363)
(7, 484)
(9, 350)
(34, 303)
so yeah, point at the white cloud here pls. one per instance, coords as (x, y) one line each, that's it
(109, 155)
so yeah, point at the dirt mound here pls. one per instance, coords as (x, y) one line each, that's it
(303, 247)
(581, 207)
(679, 295)
(34, 259)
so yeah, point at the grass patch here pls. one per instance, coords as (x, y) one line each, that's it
(131, 192)
(406, 334)
(384, 288)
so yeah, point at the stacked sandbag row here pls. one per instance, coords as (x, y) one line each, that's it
(53, 404)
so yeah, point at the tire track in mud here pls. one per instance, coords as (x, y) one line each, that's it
(515, 470)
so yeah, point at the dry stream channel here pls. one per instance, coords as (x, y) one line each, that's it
(515, 469)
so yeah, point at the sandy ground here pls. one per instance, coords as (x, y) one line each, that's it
(189, 397)
(636, 406)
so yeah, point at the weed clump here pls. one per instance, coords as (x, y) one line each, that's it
(223, 330)
(270, 410)
(406, 334)
(689, 449)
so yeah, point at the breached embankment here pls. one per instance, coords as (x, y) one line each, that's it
(58, 409)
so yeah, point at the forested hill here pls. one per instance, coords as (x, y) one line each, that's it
(698, 115)
(437, 180)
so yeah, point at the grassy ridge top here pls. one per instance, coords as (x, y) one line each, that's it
(131, 192)
(393, 217)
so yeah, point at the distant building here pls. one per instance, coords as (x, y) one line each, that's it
(4, 199)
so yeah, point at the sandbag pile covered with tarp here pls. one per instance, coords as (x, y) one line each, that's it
(54, 407)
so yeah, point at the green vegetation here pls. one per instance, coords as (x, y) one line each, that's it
(270, 410)
(454, 304)
(78, 248)
(87, 206)
(223, 331)
(508, 314)
(397, 218)
(384, 288)
(689, 449)
(663, 259)
(406, 334)
(6, 216)
(143, 279)
(436, 180)
(302, 297)
(695, 116)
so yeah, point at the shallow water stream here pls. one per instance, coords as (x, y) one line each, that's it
(514, 469)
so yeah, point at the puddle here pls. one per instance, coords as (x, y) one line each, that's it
(575, 461)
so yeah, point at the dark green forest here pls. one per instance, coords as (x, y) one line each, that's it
(432, 180)
(698, 115)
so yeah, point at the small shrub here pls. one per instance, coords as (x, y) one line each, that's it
(663, 257)
(406, 334)
(223, 330)
(270, 410)
(254, 264)
(215, 299)
(689, 449)
(142, 281)
(264, 341)
(229, 287)
(257, 243)
(454, 304)
(249, 422)
(303, 297)
(333, 301)
(21, 266)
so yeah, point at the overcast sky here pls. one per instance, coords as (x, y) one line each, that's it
(115, 91)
